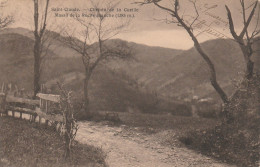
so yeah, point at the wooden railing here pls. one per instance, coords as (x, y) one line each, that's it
(40, 111)
(48, 102)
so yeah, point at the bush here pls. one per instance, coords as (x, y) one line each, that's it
(208, 113)
(112, 117)
(234, 143)
(182, 110)
(28, 144)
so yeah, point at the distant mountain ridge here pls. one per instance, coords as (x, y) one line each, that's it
(170, 73)
(186, 74)
(108, 90)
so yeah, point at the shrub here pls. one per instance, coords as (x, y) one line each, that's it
(112, 117)
(211, 113)
(233, 143)
(181, 110)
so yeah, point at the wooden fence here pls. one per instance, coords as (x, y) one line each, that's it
(43, 111)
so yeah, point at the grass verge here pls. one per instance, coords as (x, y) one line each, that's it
(28, 144)
(180, 124)
(233, 143)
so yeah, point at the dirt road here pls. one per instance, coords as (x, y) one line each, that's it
(139, 150)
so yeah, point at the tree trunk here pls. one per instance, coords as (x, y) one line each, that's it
(36, 67)
(86, 96)
(67, 146)
(213, 77)
(214, 83)
(249, 63)
(36, 51)
(249, 69)
(3, 104)
(67, 135)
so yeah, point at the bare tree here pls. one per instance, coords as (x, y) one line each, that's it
(39, 30)
(188, 26)
(244, 38)
(95, 47)
(5, 21)
(71, 127)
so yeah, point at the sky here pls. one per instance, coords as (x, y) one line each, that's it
(148, 25)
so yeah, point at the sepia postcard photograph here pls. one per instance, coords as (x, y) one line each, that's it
(129, 83)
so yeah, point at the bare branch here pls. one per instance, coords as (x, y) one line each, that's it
(248, 20)
(5, 21)
(231, 24)
(101, 29)
(70, 41)
(244, 16)
(70, 123)
(256, 30)
(245, 45)
(181, 22)
(197, 13)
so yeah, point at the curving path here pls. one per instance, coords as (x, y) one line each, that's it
(139, 150)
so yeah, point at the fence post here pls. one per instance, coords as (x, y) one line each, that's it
(3, 103)
(40, 120)
(46, 122)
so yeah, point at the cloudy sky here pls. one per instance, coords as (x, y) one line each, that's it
(148, 25)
